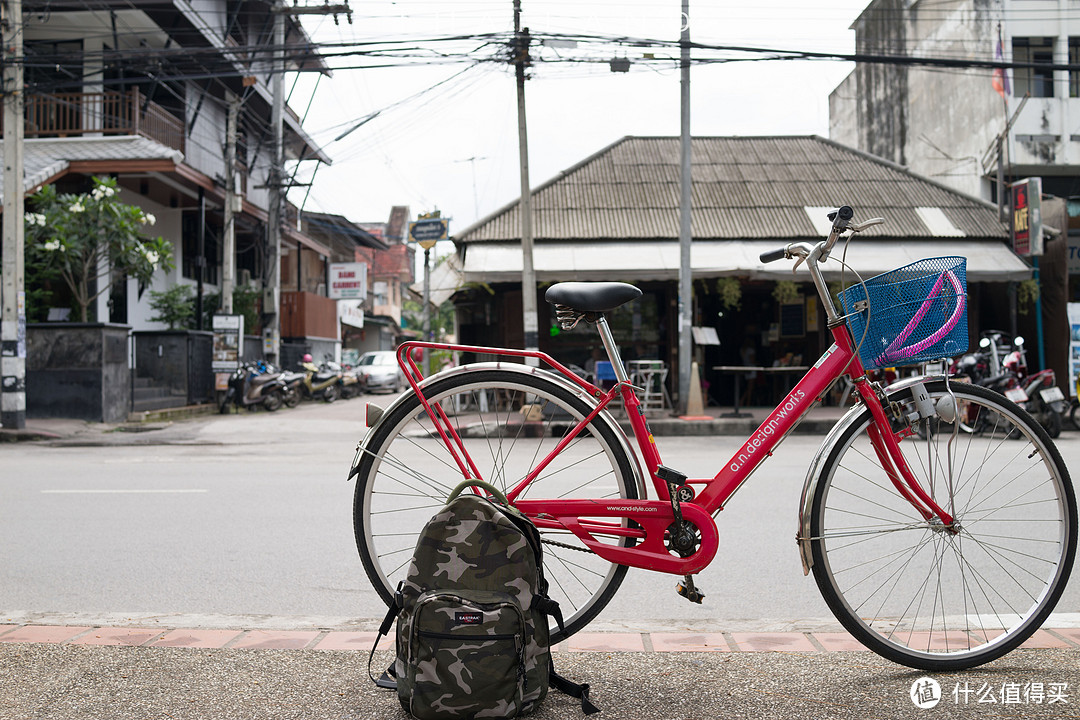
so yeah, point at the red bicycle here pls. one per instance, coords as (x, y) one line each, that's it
(936, 548)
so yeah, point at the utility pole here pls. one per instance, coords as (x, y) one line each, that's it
(275, 213)
(686, 300)
(12, 289)
(528, 274)
(228, 271)
(272, 290)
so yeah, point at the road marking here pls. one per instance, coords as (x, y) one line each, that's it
(118, 492)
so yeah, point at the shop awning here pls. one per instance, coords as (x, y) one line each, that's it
(988, 261)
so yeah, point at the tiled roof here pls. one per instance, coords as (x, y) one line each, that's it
(743, 188)
(46, 158)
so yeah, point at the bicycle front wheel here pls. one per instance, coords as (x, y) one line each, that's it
(939, 598)
(508, 422)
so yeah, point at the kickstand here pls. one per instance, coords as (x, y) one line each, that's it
(687, 590)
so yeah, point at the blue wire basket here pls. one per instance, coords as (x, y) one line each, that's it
(910, 315)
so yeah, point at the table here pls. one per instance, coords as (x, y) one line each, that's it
(738, 370)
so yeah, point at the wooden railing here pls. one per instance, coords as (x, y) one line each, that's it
(305, 314)
(103, 113)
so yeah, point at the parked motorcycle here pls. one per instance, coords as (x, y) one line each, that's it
(351, 386)
(252, 385)
(318, 382)
(1005, 370)
(293, 387)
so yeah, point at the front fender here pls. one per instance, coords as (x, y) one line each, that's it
(376, 416)
(856, 415)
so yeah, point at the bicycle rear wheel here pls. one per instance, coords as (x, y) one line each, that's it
(508, 422)
(912, 590)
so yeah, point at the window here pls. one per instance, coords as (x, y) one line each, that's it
(1074, 59)
(1037, 81)
(190, 247)
(381, 293)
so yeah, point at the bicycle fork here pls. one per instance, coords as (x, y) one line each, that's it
(892, 460)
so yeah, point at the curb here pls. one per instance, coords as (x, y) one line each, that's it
(606, 642)
(26, 434)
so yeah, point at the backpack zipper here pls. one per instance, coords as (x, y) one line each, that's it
(459, 636)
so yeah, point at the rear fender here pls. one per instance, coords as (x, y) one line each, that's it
(376, 416)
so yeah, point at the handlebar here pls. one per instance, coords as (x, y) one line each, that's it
(841, 218)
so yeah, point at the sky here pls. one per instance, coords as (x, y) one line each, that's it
(446, 136)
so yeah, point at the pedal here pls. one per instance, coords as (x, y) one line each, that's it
(670, 476)
(688, 591)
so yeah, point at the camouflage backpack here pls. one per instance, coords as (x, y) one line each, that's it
(472, 632)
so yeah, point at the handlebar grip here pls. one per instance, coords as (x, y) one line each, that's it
(841, 217)
(771, 255)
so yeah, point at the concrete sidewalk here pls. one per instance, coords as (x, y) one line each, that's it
(178, 424)
(121, 673)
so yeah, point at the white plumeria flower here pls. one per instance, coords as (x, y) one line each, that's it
(52, 245)
(152, 258)
(103, 191)
(149, 219)
(76, 207)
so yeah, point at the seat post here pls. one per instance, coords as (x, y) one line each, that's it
(612, 349)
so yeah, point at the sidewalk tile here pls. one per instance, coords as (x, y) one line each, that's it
(198, 638)
(277, 639)
(1042, 640)
(43, 634)
(606, 642)
(353, 641)
(688, 642)
(838, 641)
(944, 641)
(117, 636)
(1070, 633)
(776, 641)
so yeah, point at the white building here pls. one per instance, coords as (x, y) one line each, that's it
(943, 122)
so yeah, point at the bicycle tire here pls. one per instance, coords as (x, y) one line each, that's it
(917, 594)
(406, 474)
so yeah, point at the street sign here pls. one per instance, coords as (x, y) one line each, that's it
(348, 281)
(1027, 216)
(428, 232)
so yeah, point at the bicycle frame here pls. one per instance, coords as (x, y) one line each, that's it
(591, 520)
(646, 521)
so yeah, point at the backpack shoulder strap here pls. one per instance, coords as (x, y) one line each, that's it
(572, 689)
(387, 680)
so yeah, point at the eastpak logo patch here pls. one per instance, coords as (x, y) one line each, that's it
(468, 618)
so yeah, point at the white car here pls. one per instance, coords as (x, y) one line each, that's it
(378, 370)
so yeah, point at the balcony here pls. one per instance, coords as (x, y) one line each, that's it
(104, 113)
(305, 314)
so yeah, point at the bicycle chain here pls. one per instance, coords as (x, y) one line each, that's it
(568, 547)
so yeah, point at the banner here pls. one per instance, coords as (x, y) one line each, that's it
(228, 342)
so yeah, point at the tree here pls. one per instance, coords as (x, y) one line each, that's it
(174, 307)
(85, 237)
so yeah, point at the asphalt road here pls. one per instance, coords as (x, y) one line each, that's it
(250, 515)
